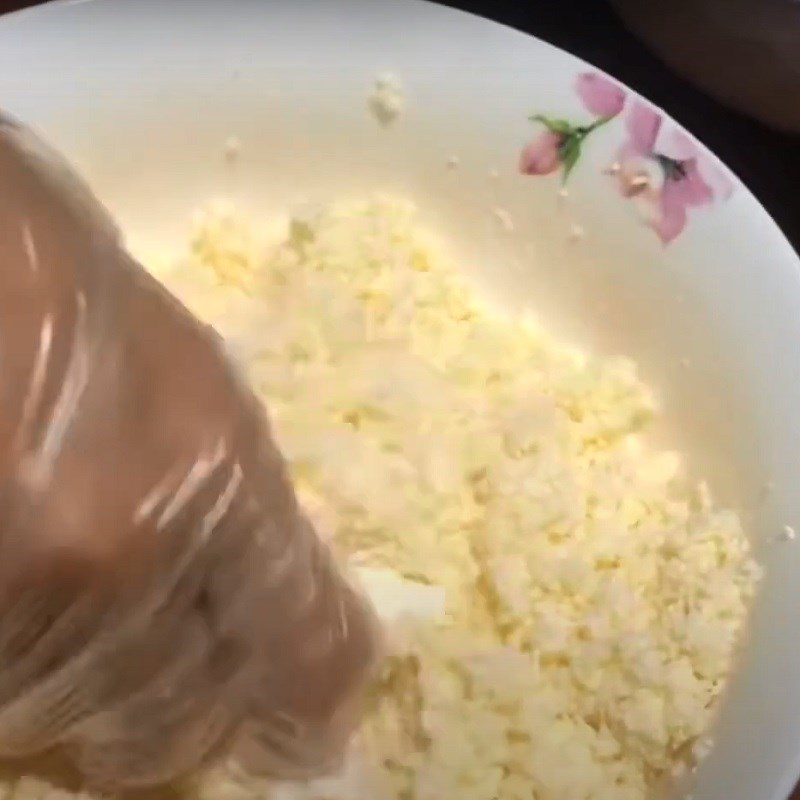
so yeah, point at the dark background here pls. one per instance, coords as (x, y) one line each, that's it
(768, 161)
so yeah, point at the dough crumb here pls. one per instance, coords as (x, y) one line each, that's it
(387, 99)
(232, 149)
(504, 219)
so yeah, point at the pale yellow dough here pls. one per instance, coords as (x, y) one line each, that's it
(582, 609)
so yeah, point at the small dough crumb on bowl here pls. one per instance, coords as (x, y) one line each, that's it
(387, 99)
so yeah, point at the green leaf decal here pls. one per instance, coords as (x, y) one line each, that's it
(569, 152)
(560, 126)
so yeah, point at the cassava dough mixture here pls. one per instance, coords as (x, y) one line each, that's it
(563, 615)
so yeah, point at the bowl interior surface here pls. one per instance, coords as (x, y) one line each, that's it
(143, 94)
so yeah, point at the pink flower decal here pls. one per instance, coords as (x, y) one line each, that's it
(665, 175)
(559, 146)
(541, 155)
(683, 188)
(600, 95)
(642, 125)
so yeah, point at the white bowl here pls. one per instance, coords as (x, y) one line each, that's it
(142, 95)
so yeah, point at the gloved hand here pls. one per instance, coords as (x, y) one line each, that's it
(162, 596)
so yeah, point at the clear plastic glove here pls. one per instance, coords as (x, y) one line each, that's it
(162, 596)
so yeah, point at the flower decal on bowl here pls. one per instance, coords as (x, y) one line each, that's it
(558, 146)
(666, 175)
(659, 168)
(602, 97)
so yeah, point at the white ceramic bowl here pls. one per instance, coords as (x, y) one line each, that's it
(142, 95)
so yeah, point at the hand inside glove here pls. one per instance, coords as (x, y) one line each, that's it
(162, 596)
